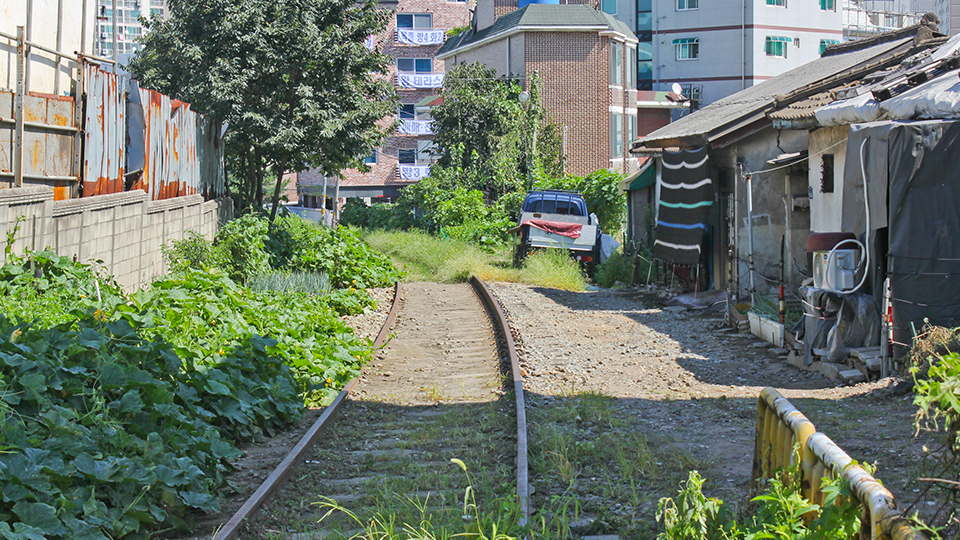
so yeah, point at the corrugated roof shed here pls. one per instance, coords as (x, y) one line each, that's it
(721, 118)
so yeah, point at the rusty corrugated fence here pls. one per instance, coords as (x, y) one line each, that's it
(104, 131)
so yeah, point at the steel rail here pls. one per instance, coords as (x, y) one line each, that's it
(231, 530)
(500, 322)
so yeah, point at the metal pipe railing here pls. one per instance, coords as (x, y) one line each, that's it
(781, 427)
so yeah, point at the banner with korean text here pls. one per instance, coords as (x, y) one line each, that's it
(419, 37)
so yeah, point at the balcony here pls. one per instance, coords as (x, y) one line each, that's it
(412, 172)
(420, 80)
(409, 36)
(416, 127)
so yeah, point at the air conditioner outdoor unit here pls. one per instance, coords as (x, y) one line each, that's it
(841, 272)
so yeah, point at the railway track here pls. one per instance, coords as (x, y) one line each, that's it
(446, 385)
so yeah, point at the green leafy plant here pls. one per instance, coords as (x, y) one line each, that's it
(780, 512)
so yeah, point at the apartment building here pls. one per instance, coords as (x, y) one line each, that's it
(714, 48)
(126, 19)
(586, 61)
(416, 31)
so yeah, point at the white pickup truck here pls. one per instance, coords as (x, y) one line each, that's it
(558, 220)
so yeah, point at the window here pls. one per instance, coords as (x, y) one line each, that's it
(828, 5)
(826, 173)
(616, 62)
(687, 48)
(415, 65)
(777, 3)
(824, 43)
(616, 135)
(407, 156)
(609, 6)
(427, 152)
(776, 46)
(372, 158)
(631, 128)
(689, 4)
(631, 67)
(407, 111)
(419, 21)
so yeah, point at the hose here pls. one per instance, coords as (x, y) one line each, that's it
(865, 264)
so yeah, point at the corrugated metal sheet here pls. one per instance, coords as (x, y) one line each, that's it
(105, 136)
(171, 166)
(210, 156)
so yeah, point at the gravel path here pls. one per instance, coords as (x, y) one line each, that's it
(682, 378)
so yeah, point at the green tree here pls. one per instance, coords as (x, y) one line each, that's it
(292, 80)
(488, 137)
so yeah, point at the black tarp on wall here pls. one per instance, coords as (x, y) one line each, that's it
(923, 216)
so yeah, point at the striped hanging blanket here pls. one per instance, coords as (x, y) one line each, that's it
(686, 195)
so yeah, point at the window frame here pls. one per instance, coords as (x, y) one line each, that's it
(401, 152)
(402, 111)
(415, 62)
(616, 136)
(774, 44)
(690, 45)
(824, 43)
(413, 21)
(616, 63)
(687, 5)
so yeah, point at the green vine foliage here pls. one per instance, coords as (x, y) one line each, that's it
(780, 512)
(118, 412)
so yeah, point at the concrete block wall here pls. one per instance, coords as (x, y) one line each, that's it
(123, 231)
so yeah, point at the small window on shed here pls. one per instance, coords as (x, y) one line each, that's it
(826, 173)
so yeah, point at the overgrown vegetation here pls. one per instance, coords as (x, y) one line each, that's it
(935, 368)
(495, 144)
(118, 412)
(779, 512)
(427, 257)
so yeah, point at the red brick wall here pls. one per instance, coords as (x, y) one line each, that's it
(650, 120)
(575, 70)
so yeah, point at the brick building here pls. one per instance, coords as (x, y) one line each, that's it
(416, 30)
(586, 60)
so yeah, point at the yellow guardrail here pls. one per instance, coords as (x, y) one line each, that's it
(780, 427)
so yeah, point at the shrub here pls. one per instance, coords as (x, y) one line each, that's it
(617, 268)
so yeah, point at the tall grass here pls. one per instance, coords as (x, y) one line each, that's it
(317, 283)
(428, 258)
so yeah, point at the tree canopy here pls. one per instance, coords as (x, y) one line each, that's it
(293, 81)
(488, 137)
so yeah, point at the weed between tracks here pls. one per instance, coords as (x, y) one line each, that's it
(584, 448)
(389, 467)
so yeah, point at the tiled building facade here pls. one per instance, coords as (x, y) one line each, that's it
(405, 155)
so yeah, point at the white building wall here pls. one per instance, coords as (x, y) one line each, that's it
(732, 36)
(826, 209)
(42, 30)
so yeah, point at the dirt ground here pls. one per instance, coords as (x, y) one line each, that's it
(675, 387)
(690, 386)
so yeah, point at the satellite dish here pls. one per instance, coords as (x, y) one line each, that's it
(677, 89)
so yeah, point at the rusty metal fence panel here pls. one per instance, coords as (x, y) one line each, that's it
(780, 427)
(171, 165)
(105, 133)
(210, 155)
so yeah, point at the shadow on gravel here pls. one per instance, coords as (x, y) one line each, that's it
(708, 354)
